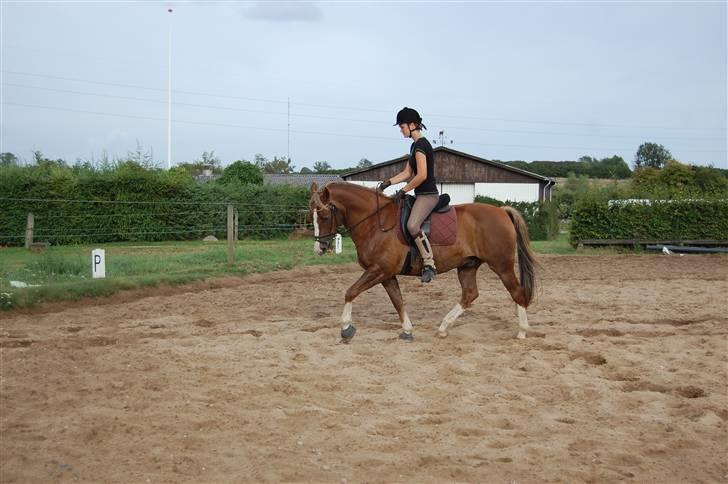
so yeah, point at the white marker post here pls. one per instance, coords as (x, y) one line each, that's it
(98, 263)
(337, 244)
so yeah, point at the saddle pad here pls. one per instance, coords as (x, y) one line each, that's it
(443, 227)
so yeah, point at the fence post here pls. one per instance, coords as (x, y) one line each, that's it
(230, 235)
(237, 223)
(29, 231)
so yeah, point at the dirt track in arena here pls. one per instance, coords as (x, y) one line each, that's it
(623, 377)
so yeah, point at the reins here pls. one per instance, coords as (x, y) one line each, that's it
(333, 209)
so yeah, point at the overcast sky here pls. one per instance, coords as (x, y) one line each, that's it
(507, 81)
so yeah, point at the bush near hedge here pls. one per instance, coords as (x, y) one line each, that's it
(173, 206)
(659, 220)
(542, 218)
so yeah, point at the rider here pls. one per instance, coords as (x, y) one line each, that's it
(421, 164)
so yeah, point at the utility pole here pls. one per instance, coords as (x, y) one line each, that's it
(169, 91)
(289, 129)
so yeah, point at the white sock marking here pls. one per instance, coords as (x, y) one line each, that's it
(522, 321)
(346, 316)
(317, 244)
(454, 314)
(406, 323)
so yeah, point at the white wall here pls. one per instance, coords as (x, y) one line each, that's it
(514, 192)
(459, 192)
(466, 192)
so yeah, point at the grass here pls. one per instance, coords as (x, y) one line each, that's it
(64, 272)
(560, 245)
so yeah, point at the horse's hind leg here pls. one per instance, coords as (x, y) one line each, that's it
(395, 295)
(511, 282)
(469, 284)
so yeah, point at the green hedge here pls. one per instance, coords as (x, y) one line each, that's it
(542, 218)
(666, 220)
(159, 205)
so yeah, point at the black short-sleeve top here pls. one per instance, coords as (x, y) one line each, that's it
(429, 186)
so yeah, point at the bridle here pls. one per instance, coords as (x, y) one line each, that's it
(325, 240)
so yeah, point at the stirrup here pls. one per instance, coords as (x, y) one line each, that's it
(428, 274)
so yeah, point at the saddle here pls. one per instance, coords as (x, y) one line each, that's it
(440, 227)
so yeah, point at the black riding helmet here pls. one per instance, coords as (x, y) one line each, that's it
(408, 115)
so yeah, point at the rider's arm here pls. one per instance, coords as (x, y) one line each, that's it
(421, 175)
(402, 176)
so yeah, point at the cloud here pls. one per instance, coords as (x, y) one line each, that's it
(284, 12)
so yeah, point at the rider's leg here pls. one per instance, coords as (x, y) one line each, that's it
(423, 206)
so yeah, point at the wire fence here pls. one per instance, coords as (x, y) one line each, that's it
(64, 221)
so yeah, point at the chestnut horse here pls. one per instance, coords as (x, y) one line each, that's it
(485, 234)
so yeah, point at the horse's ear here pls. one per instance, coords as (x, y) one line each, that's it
(325, 195)
(314, 188)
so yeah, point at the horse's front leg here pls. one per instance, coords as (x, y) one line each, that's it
(395, 295)
(369, 279)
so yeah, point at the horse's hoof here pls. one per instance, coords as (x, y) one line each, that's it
(348, 333)
(442, 334)
(406, 336)
(521, 335)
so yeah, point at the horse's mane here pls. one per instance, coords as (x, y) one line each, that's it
(348, 186)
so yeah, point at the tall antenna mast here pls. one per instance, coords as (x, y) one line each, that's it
(444, 140)
(169, 92)
(289, 129)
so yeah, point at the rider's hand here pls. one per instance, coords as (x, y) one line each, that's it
(398, 197)
(382, 186)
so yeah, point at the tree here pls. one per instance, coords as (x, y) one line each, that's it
(277, 165)
(44, 162)
(710, 180)
(651, 155)
(677, 180)
(207, 160)
(614, 167)
(321, 166)
(242, 171)
(8, 159)
(364, 163)
(141, 157)
(306, 170)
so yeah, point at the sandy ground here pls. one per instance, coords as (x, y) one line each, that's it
(624, 377)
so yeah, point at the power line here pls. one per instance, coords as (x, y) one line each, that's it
(201, 123)
(147, 88)
(367, 109)
(289, 114)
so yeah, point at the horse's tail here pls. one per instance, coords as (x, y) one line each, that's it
(526, 257)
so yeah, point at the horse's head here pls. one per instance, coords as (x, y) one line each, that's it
(325, 219)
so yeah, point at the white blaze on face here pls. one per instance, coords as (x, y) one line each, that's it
(317, 244)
